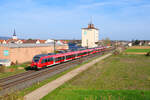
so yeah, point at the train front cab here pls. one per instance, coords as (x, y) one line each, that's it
(35, 62)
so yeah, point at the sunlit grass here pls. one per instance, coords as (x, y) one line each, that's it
(137, 50)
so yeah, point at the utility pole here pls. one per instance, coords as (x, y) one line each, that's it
(87, 43)
(55, 46)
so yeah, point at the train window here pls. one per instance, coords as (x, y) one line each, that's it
(63, 57)
(58, 59)
(50, 59)
(43, 61)
(55, 59)
(69, 56)
(36, 59)
(46, 60)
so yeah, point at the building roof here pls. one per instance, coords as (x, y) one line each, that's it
(42, 41)
(30, 41)
(1, 40)
(91, 26)
(14, 45)
(41, 55)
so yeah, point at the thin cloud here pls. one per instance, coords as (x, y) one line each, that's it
(95, 5)
(123, 3)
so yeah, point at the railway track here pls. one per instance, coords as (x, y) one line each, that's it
(26, 79)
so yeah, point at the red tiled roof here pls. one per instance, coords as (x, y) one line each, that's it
(30, 41)
(42, 41)
(90, 26)
(1, 40)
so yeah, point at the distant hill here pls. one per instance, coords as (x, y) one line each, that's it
(4, 38)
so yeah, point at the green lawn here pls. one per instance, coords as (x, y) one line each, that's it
(137, 50)
(100, 95)
(123, 77)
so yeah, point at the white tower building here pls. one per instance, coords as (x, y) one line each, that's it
(14, 37)
(90, 36)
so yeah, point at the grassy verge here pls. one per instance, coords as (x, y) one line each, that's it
(124, 77)
(37, 85)
(7, 74)
(137, 50)
(14, 69)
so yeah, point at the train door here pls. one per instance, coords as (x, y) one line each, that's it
(57, 60)
(43, 62)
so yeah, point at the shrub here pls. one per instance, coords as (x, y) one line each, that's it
(12, 96)
(2, 69)
(148, 53)
(116, 52)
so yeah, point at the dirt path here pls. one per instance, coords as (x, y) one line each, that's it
(44, 90)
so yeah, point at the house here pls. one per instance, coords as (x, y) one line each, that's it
(35, 41)
(59, 42)
(64, 41)
(130, 44)
(49, 41)
(17, 41)
(40, 41)
(3, 42)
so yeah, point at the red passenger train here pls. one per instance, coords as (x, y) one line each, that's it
(45, 60)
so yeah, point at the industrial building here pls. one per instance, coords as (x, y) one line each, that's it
(90, 36)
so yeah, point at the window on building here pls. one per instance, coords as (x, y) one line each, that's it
(6, 52)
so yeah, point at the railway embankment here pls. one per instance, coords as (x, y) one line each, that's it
(44, 90)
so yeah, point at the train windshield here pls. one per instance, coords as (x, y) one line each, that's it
(36, 59)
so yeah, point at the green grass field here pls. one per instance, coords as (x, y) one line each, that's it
(137, 50)
(123, 77)
(101, 95)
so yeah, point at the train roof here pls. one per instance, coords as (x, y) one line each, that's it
(41, 55)
(67, 53)
(51, 53)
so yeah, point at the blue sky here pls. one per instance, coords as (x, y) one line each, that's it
(63, 19)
